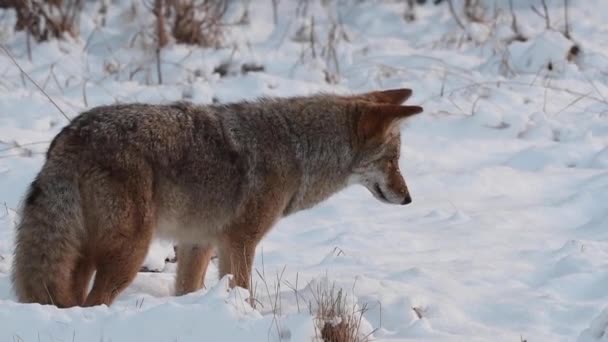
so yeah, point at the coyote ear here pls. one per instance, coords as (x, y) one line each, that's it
(377, 120)
(392, 96)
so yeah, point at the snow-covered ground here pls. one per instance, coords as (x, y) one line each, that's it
(507, 236)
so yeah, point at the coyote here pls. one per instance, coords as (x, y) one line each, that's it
(210, 177)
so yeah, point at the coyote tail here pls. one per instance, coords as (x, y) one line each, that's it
(48, 238)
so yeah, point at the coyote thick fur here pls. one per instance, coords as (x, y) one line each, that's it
(207, 176)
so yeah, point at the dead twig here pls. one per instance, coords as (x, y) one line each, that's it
(518, 35)
(161, 35)
(544, 14)
(573, 102)
(31, 80)
(515, 83)
(453, 11)
(567, 24)
(275, 5)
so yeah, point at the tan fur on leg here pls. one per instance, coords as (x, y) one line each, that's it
(117, 271)
(192, 262)
(236, 258)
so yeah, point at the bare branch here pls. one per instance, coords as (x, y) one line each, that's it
(547, 18)
(161, 35)
(275, 5)
(453, 11)
(31, 80)
(567, 28)
(518, 36)
(544, 14)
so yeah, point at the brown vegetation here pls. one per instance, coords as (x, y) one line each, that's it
(46, 19)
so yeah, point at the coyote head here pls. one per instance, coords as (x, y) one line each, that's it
(377, 163)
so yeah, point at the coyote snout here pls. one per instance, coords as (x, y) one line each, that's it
(384, 180)
(391, 187)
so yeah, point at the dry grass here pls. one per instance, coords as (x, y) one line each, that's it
(337, 319)
(43, 20)
(336, 316)
(197, 22)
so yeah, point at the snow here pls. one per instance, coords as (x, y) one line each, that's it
(508, 168)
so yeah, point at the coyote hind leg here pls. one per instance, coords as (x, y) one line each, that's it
(117, 266)
(124, 216)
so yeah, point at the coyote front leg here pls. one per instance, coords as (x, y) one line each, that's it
(192, 262)
(237, 245)
(236, 258)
